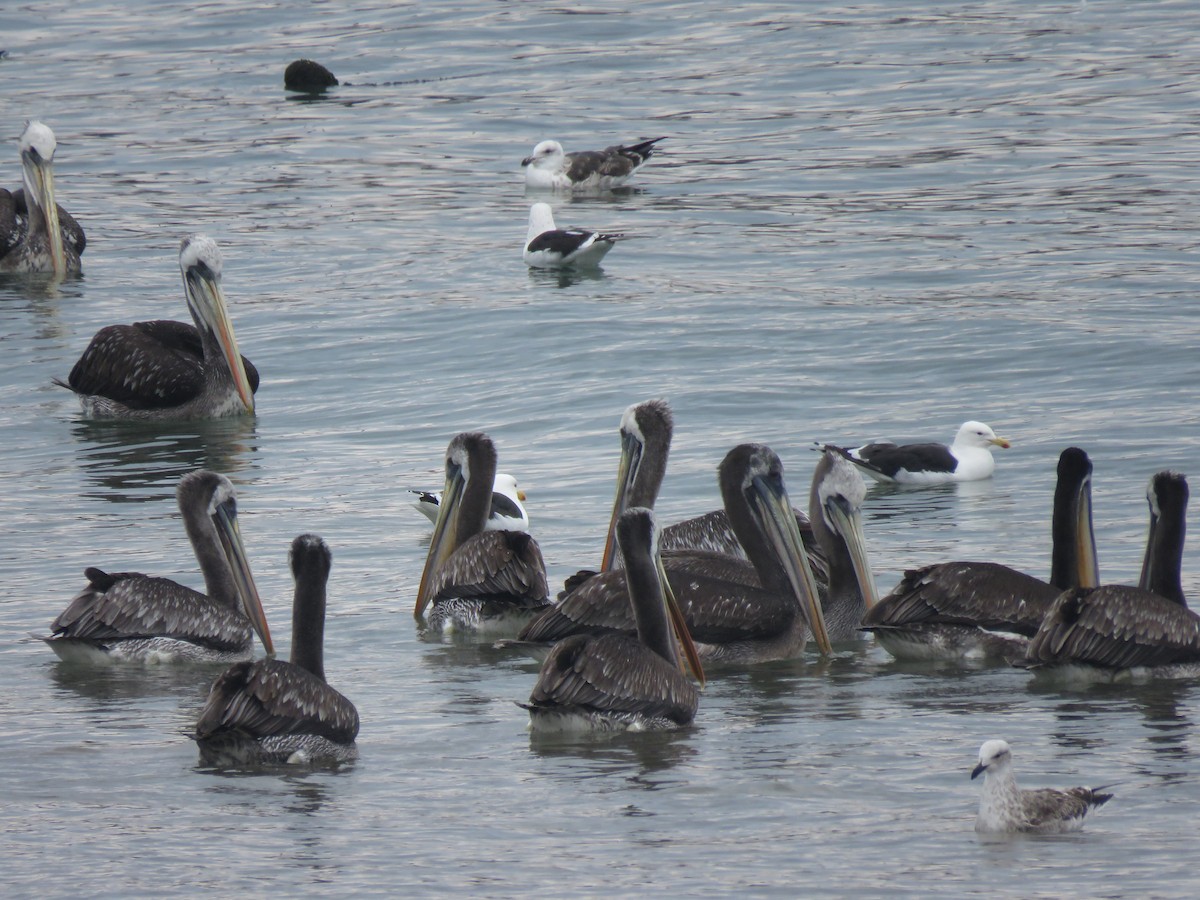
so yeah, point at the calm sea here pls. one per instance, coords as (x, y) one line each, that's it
(872, 220)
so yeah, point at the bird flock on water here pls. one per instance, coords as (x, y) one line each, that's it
(623, 646)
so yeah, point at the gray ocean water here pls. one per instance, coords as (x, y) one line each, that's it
(869, 220)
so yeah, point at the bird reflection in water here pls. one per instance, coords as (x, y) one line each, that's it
(128, 463)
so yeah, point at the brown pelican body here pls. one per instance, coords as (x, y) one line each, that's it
(1118, 627)
(959, 609)
(36, 234)
(130, 616)
(475, 579)
(646, 430)
(736, 611)
(614, 681)
(163, 370)
(835, 511)
(271, 711)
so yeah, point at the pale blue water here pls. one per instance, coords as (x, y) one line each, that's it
(866, 221)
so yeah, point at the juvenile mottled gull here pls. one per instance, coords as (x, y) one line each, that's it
(550, 167)
(1006, 808)
(969, 458)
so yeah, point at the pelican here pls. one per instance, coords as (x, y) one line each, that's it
(507, 512)
(958, 609)
(735, 610)
(614, 682)
(1004, 808)
(130, 616)
(476, 579)
(1117, 627)
(36, 234)
(548, 166)
(835, 511)
(646, 430)
(271, 711)
(153, 371)
(550, 247)
(969, 458)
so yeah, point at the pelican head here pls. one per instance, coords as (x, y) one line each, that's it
(994, 756)
(1167, 495)
(650, 593)
(222, 512)
(463, 511)
(646, 430)
(839, 492)
(547, 155)
(976, 434)
(37, 166)
(1072, 523)
(761, 484)
(200, 262)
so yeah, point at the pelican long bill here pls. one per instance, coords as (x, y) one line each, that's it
(206, 298)
(230, 534)
(779, 523)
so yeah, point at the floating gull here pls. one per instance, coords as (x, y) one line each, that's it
(36, 234)
(271, 711)
(508, 513)
(952, 610)
(164, 370)
(1115, 627)
(547, 247)
(476, 579)
(967, 459)
(549, 167)
(618, 682)
(1006, 808)
(130, 616)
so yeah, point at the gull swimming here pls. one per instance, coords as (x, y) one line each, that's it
(549, 247)
(969, 458)
(1004, 808)
(549, 167)
(508, 511)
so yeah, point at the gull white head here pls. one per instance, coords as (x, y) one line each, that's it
(547, 156)
(976, 434)
(994, 756)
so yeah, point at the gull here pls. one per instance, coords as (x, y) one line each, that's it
(548, 166)
(548, 247)
(1006, 808)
